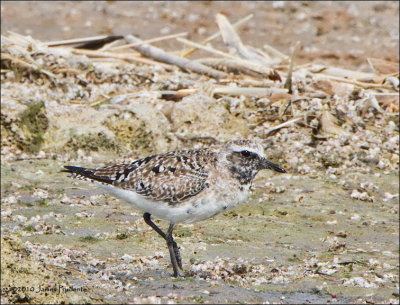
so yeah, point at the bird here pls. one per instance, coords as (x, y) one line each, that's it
(183, 186)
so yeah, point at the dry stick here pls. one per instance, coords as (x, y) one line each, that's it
(248, 63)
(232, 41)
(334, 71)
(349, 81)
(149, 41)
(207, 48)
(185, 64)
(231, 65)
(189, 51)
(282, 125)
(109, 46)
(242, 91)
(74, 41)
(275, 52)
(225, 90)
(288, 83)
(118, 56)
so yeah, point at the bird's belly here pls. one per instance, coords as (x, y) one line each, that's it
(204, 206)
(209, 206)
(197, 208)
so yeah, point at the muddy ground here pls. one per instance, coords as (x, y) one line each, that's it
(325, 232)
(325, 247)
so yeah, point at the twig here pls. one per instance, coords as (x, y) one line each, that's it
(126, 46)
(246, 62)
(98, 44)
(74, 41)
(354, 82)
(207, 48)
(339, 72)
(119, 56)
(241, 91)
(189, 51)
(233, 41)
(232, 66)
(288, 83)
(184, 63)
(109, 46)
(275, 52)
(223, 90)
(282, 125)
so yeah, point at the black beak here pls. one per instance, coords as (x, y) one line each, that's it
(269, 165)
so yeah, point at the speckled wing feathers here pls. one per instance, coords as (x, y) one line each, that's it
(172, 177)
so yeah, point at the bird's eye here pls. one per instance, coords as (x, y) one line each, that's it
(245, 153)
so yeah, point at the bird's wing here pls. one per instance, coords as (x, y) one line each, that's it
(171, 177)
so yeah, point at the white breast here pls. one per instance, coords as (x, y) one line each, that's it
(205, 205)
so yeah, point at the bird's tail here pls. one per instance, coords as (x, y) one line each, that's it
(86, 174)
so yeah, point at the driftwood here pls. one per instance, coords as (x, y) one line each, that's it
(126, 46)
(190, 50)
(162, 56)
(233, 41)
(250, 65)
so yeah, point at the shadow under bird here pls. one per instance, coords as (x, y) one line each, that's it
(183, 186)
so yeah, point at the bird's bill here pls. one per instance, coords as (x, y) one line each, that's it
(269, 165)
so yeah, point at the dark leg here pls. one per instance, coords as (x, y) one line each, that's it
(171, 241)
(172, 246)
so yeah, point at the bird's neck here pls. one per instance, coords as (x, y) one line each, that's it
(243, 175)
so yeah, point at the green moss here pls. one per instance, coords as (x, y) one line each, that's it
(92, 142)
(197, 299)
(131, 133)
(33, 124)
(29, 228)
(89, 239)
(43, 202)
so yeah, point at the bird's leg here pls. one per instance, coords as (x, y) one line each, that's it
(171, 240)
(172, 246)
(147, 220)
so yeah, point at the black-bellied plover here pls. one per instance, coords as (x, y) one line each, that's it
(183, 186)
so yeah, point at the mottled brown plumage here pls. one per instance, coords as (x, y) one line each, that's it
(183, 186)
(172, 177)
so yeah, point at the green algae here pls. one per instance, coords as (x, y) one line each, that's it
(34, 123)
(131, 133)
(92, 142)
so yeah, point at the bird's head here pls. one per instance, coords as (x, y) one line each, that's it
(245, 158)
